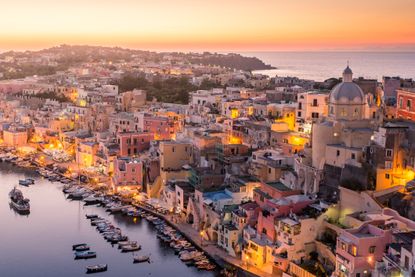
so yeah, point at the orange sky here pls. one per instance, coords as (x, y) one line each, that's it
(209, 24)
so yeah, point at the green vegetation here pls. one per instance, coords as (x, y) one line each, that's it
(172, 90)
(28, 70)
(235, 61)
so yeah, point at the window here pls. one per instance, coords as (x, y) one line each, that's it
(408, 104)
(400, 102)
(389, 153)
(299, 114)
(337, 153)
(388, 164)
(387, 176)
(353, 156)
(172, 150)
(315, 104)
(314, 115)
(372, 249)
(354, 250)
(343, 112)
(300, 105)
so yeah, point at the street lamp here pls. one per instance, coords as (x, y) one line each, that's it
(201, 238)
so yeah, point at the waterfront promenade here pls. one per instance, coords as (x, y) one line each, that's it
(211, 249)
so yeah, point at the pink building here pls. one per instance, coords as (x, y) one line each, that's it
(276, 208)
(272, 190)
(163, 128)
(128, 172)
(358, 249)
(133, 143)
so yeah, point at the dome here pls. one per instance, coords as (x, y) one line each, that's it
(347, 92)
(347, 70)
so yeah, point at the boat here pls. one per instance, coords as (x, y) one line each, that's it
(78, 245)
(141, 259)
(82, 248)
(96, 268)
(125, 243)
(130, 248)
(25, 183)
(18, 202)
(91, 200)
(91, 216)
(85, 255)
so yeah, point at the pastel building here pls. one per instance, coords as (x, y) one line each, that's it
(358, 249)
(86, 153)
(128, 172)
(406, 104)
(133, 143)
(15, 136)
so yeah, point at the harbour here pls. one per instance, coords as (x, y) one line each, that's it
(56, 223)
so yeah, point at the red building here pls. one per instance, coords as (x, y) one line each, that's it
(133, 143)
(406, 104)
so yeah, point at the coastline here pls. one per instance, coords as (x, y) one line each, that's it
(214, 253)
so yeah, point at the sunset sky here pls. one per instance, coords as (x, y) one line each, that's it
(220, 25)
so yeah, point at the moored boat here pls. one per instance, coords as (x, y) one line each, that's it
(78, 245)
(18, 202)
(96, 268)
(141, 259)
(85, 255)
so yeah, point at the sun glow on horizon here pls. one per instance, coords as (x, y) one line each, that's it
(208, 25)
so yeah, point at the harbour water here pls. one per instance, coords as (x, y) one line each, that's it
(40, 244)
(320, 66)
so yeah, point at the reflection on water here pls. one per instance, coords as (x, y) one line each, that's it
(40, 244)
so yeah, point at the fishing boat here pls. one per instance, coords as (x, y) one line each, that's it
(141, 259)
(96, 268)
(18, 202)
(77, 245)
(25, 183)
(85, 255)
(81, 248)
(125, 243)
(91, 216)
(130, 248)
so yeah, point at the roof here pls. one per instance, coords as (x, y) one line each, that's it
(347, 92)
(289, 221)
(279, 186)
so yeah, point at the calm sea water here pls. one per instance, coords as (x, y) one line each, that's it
(323, 65)
(40, 244)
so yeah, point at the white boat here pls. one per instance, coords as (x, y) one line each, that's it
(96, 268)
(141, 259)
(130, 248)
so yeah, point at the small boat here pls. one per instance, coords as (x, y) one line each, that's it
(125, 243)
(130, 248)
(96, 268)
(81, 248)
(91, 216)
(141, 259)
(25, 183)
(85, 255)
(18, 202)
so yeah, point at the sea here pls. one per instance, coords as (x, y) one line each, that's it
(320, 66)
(40, 244)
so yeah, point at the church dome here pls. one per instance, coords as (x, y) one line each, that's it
(347, 92)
